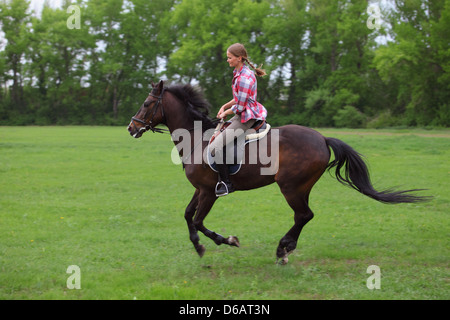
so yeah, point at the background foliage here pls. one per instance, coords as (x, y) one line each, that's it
(326, 67)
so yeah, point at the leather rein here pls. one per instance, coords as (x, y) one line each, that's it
(148, 125)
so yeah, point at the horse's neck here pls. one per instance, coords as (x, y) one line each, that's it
(188, 135)
(178, 123)
(176, 116)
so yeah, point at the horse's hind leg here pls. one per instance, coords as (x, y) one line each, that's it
(302, 214)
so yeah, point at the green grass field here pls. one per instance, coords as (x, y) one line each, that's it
(114, 206)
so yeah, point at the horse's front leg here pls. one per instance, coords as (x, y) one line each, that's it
(188, 215)
(206, 200)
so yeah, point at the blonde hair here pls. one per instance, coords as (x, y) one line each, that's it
(239, 50)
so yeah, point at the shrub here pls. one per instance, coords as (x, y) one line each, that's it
(349, 117)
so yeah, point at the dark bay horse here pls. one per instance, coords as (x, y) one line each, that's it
(303, 155)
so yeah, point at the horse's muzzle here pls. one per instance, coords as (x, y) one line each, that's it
(135, 132)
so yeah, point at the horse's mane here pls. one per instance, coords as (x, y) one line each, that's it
(197, 107)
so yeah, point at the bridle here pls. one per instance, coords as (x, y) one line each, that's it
(148, 125)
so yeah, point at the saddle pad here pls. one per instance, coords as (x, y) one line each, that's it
(258, 135)
(234, 168)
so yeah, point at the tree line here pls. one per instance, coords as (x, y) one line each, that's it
(329, 62)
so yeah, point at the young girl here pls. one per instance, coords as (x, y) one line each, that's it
(244, 107)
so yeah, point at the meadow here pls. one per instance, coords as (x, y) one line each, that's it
(114, 206)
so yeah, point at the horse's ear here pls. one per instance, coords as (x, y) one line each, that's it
(160, 85)
(153, 85)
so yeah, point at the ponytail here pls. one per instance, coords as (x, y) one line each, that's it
(259, 72)
(238, 50)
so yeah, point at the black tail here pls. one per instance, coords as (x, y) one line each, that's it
(357, 175)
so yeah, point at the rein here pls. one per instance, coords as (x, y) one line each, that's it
(148, 126)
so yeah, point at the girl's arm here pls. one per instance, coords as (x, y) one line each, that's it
(223, 112)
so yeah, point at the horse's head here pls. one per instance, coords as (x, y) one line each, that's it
(150, 114)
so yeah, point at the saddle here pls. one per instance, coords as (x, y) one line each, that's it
(260, 129)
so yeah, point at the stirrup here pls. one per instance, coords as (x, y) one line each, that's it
(225, 190)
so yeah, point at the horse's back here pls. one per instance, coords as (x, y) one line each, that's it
(303, 151)
(303, 139)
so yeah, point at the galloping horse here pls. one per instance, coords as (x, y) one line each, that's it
(303, 155)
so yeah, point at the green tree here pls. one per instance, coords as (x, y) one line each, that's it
(338, 63)
(440, 41)
(287, 42)
(126, 57)
(325, 67)
(322, 51)
(57, 56)
(416, 63)
(15, 22)
(201, 33)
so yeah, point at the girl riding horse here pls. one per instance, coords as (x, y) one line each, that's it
(244, 106)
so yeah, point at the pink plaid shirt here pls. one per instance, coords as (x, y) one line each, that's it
(244, 93)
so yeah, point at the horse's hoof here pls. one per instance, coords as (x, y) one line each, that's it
(282, 261)
(201, 250)
(233, 241)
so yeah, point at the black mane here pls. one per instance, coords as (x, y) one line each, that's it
(197, 107)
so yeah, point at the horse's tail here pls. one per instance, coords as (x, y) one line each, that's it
(357, 175)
